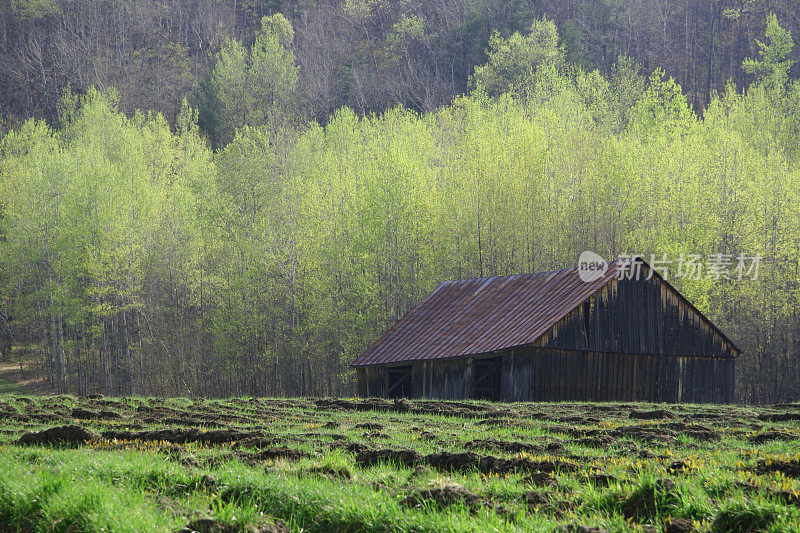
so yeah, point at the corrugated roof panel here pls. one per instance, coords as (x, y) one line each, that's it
(473, 316)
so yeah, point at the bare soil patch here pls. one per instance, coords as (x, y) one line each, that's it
(790, 468)
(58, 436)
(768, 436)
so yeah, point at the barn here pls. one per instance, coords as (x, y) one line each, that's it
(625, 335)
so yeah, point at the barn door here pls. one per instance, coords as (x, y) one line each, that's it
(399, 383)
(486, 378)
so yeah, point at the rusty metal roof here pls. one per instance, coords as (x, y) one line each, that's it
(482, 315)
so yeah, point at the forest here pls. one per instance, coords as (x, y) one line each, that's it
(216, 198)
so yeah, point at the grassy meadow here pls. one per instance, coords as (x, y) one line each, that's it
(269, 465)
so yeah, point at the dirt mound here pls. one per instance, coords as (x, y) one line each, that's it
(779, 417)
(369, 425)
(340, 472)
(370, 404)
(679, 525)
(208, 525)
(795, 406)
(352, 447)
(601, 479)
(786, 497)
(596, 441)
(487, 464)
(446, 495)
(502, 445)
(538, 479)
(280, 452)
(532, 497)
(173, 421)
(183, 436)
(402, 405)
(655, 414)
(680, 466)
(432, 407)
(456, 461)
(646, 433)
(575, 528)
(768, 436)
(62, 435)
(650, 500)
(790, 468)
(85, 414)
(464, 410)
(427, 435)
(404, 457)
(462, 462)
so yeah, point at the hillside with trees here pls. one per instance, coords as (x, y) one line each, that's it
(237, 197)
(369, 55)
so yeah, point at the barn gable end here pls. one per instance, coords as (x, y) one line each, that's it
(645, 316)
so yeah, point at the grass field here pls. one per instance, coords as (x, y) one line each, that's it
(138, 464)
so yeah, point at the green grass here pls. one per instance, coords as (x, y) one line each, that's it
(161, 486)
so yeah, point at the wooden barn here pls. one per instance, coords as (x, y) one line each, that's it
(553, 336)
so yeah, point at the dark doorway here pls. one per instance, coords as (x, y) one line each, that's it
(399, 385)
(486, 378)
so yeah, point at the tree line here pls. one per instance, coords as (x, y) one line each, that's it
(260, 253)
(368, 55)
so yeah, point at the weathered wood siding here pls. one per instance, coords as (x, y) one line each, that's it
(542, 374)
(637, 316)
(547, 374)
(429, 379)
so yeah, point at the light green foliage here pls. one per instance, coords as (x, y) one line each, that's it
(408, 29)
(772, 66)
(513, 62)
(266, 266)
(255, 87)
(33, 9)
(272, 70)
(596, 94)
(627, 86)
(232, 90)
(662, 107)
(89, 211)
